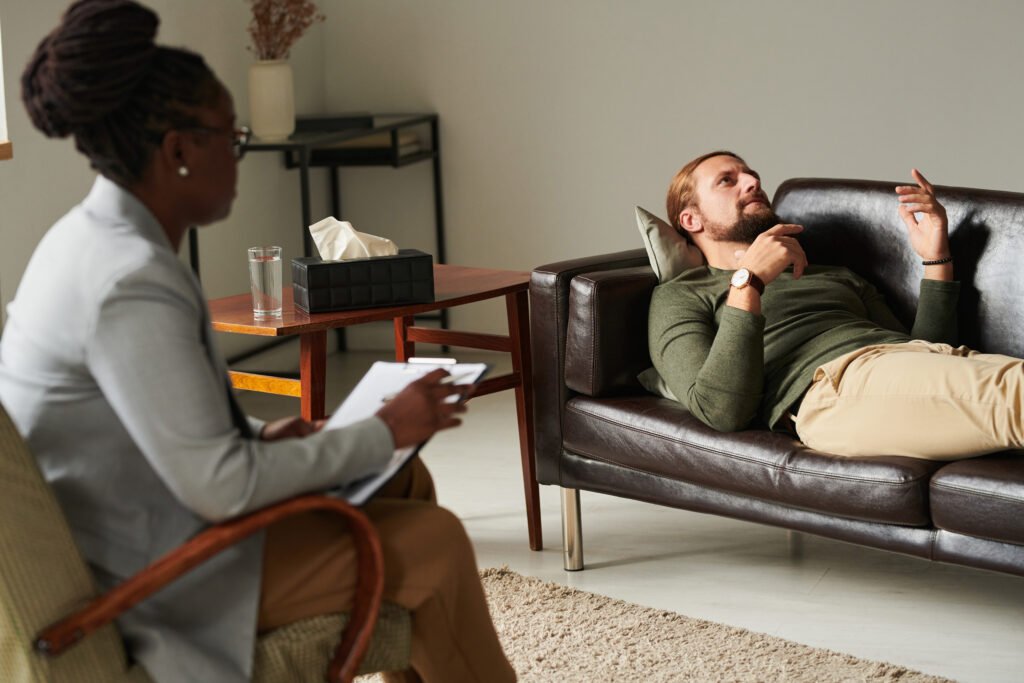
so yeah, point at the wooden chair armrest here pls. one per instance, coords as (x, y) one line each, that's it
(363, 618)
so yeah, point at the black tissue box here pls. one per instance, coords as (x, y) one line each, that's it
(405, 278)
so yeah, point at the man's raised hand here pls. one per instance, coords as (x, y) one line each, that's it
(924, 217)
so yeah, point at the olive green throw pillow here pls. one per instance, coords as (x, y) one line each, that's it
(652, 382)
(669, 252)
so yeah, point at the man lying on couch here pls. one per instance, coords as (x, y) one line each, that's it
(758, 333)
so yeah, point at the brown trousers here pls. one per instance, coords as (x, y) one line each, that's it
(309, 568)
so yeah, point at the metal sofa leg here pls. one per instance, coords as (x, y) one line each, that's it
(572, 531)
(796, 544)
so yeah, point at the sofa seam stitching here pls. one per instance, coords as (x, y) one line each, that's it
(750, 496)
(976, 492)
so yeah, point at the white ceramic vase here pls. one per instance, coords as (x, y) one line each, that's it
(271, 99)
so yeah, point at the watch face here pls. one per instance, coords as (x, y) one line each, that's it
(740, 278)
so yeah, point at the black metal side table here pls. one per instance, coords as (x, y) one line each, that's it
(318, 141)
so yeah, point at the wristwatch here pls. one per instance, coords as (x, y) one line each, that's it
(743, 277)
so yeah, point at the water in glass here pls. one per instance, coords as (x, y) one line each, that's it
(265, 280)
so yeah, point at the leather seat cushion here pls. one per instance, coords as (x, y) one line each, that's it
(982, 497)
(659, 436)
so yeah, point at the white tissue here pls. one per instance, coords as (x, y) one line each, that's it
(338, 240)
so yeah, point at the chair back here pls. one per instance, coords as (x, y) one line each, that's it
(44, 578)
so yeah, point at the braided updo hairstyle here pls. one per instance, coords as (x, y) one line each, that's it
(100, 77)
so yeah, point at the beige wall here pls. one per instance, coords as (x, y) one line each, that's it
(559, 115)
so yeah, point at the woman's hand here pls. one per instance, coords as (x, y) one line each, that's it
(929, 232)
(290, 428)
(420, 410)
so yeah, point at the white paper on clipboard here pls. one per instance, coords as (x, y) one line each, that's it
(378, 385)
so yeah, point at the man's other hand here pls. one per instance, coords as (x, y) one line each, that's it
(925, 218)
(420, 410)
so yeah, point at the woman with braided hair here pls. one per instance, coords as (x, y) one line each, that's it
(108, 368)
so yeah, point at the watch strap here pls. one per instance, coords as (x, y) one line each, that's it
(756, 282)
(751, 280)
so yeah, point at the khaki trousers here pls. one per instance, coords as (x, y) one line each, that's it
(917, 399)
(309, 569)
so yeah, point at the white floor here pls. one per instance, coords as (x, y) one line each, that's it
(962, 623)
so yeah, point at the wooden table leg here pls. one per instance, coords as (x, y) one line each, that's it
(518, 308)
(404, 349)
(313, 373)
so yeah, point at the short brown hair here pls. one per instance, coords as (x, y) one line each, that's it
(681, 191)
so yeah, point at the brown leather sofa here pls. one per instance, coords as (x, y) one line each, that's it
(598, 430)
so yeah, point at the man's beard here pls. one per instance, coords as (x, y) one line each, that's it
(746, 228)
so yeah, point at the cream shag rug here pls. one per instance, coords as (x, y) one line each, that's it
(554, 633)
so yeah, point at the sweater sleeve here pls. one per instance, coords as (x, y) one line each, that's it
(716, 370)
(936, 319)
(878, 310)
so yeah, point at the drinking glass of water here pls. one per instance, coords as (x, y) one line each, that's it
(265, 280)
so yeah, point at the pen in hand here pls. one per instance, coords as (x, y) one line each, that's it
(414, 414)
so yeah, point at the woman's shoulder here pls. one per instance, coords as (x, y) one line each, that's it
(90, 259)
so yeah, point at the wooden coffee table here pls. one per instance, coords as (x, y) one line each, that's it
(453, 286)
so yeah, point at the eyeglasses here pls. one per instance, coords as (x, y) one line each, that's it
(240, 137)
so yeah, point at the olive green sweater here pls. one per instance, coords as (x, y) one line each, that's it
(729, 366)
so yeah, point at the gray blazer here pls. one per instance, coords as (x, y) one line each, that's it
(108, 368)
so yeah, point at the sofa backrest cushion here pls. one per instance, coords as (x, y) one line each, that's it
(854, 223)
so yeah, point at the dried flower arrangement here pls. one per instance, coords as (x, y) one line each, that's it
(278, 24)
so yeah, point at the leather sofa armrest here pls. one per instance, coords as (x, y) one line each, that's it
(368, 595)
(606, 342)
(549, 312)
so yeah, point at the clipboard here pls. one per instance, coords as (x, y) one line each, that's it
(381, 383)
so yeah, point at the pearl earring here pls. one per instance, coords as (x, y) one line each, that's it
(183, 171)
